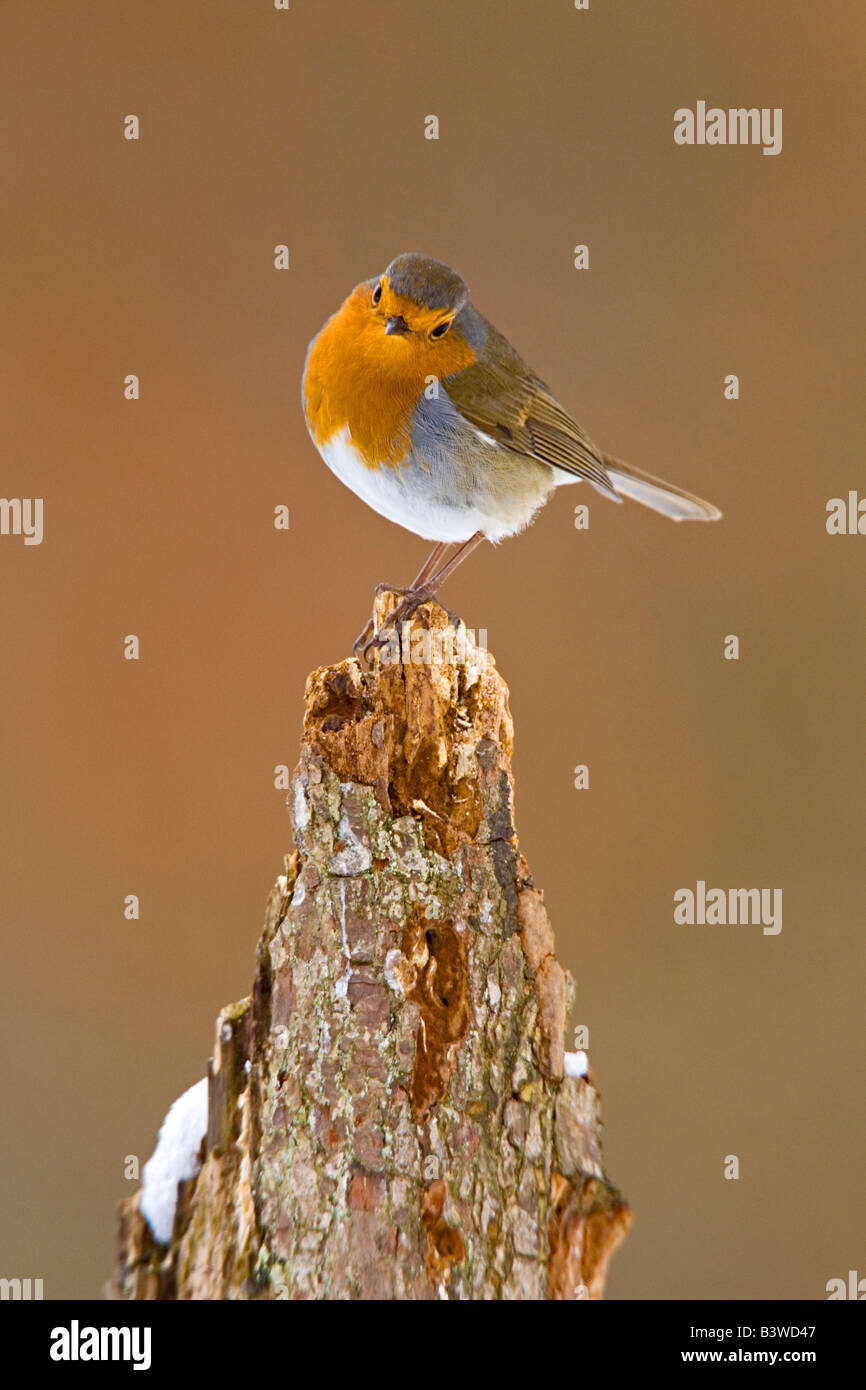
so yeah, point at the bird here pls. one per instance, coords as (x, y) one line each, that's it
(425, 410)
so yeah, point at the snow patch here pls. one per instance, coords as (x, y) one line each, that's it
(302, 810)
(341, 988)
(175, 1159)
(576, 1064)
(394, 961)
(299, 894)
(354, 857)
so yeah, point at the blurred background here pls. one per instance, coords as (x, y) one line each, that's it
(156, 777)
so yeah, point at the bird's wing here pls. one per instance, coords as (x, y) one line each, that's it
(502, 396)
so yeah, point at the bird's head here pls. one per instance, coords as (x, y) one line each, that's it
(417, 298)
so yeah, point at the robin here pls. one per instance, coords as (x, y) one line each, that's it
(420, 406)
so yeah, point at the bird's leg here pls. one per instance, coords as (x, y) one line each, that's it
(427, 569)
(421, 592)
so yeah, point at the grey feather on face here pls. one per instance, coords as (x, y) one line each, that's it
(427, 282)
(470, 323)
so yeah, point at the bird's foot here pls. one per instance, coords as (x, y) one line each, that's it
(408, 606)
(362, 641)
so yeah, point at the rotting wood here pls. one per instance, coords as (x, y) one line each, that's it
(389, 1113)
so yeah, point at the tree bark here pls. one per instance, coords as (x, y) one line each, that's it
(390, 1116)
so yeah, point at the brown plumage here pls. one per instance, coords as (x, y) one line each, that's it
(428, 413)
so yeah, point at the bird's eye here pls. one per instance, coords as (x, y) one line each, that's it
(377, 295)
(441, 329)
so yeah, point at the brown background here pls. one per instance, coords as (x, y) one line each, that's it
(156, 777)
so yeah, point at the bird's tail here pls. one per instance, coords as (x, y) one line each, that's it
(652, 492)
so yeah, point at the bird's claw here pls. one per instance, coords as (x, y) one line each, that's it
(408, 606)
(365, 642)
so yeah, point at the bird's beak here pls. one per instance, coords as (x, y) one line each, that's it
(396, 324)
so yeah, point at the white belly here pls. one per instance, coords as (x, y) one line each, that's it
(406, 495)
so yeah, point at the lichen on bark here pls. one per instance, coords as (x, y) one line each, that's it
(389, 1114)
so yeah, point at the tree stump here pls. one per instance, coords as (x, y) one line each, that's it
(390, 1114)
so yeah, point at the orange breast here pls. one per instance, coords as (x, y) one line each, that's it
(359, 376)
